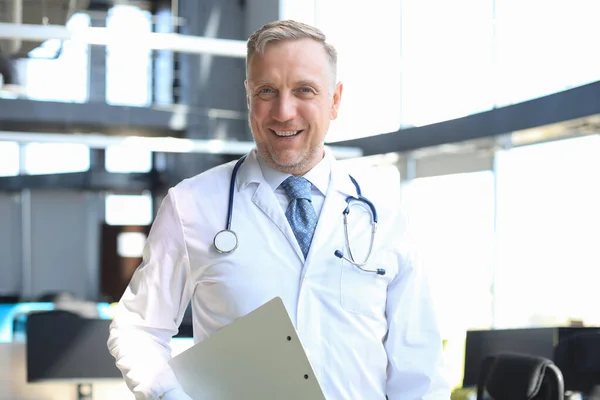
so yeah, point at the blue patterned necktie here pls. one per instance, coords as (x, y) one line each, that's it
(300, 212)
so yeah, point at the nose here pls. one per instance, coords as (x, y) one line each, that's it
(284, 108)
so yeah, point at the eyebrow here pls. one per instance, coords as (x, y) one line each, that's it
(306, 82)
(257, 82)
(303, 82)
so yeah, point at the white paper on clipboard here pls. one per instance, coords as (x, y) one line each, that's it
(257, 357)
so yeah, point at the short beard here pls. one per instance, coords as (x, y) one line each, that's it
(289, 168)
(297, 167)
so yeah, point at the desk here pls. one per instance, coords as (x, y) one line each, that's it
(13, 361)
(14, 386)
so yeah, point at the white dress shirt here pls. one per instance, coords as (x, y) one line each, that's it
(319, 178)
(368, 336)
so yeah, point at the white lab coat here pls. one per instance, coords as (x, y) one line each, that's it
(367, 335)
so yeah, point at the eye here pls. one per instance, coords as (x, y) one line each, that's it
(266, 93)
(305, 91)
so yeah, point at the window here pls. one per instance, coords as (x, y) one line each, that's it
(543, 47)
(56, 158)
(128, 159)
(452, 224)
(131, 244)
(128, 209)
(9, 158)
(447, 56)
(163, 62)
(548, 229)
(64, 78)
(128, 67)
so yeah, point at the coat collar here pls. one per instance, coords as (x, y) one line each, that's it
(340, 179)
(339, 189)
(250, 172)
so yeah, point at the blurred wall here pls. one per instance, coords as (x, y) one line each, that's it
(64, 242)
(10, 244)
(51, 244)
(259, 12)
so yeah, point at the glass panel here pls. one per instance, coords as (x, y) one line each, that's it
(492, 53)
(64, 78)
(163, 62)
(298, 10)
(131, 244)
(128, 68)
(548, 230)
(9, 159)
(447, 57)
(53, 158)
(128, 209)
(452, 224)
(128, 159)
(544, 47)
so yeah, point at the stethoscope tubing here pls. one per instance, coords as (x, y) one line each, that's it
(227, 233)
(231, 189)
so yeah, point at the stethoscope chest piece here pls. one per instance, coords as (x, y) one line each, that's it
(226, 241)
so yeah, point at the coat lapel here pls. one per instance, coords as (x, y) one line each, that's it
(331, 217)
(265, 199)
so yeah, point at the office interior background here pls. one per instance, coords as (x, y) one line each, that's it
(486, 112)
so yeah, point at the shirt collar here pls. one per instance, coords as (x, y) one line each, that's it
(319, 176)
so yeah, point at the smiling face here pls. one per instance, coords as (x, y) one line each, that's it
(291, 101)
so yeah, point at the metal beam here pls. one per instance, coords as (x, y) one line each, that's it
(112, 37)
(26, 115)
(154, 144)
(91, 180)
(568, 105)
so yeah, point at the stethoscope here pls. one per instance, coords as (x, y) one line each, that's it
(226, 241)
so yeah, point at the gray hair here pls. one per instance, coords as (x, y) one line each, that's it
(288, 30)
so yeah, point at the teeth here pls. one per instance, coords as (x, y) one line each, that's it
(285, 133)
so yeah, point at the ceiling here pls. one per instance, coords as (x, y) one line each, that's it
(54, 12)
(36, 12)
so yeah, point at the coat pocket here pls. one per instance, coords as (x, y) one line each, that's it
(363, 292)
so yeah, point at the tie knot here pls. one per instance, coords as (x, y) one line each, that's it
(297, 188)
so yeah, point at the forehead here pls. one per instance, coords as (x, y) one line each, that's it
(290, 59)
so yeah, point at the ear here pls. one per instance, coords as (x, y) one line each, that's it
(337, 99)
(247, 95)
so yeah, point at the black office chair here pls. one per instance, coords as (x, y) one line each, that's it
(512, 376)
(578, 357)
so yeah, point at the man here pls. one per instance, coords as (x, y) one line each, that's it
(368, 336)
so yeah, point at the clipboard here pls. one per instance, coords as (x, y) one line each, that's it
(257, 357)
